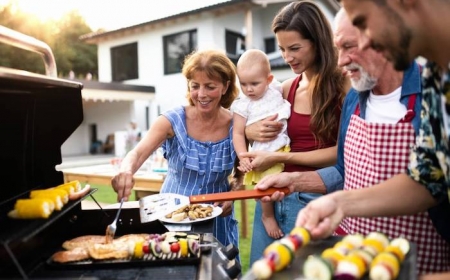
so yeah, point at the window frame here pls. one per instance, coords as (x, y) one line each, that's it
(175, 66)
(125, 62)
(270, 45)
(231, 48)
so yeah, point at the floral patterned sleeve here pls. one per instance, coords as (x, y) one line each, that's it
(430, 157)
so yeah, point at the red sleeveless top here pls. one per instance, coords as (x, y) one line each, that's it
(302, 139)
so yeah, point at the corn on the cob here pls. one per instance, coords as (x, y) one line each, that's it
(75, 184)
(69, 188)
(57, 196)
(32, 208)
(54, 196)
(51, 193)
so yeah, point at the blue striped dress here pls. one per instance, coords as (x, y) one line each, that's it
(199, 168)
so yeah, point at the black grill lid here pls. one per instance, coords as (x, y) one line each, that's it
(37, 115)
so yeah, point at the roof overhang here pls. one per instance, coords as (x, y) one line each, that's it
(231, 6)
(226, 7)
(114, 91)
(111, 95)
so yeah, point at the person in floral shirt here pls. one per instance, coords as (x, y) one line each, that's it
(430, 158)
(402, 31)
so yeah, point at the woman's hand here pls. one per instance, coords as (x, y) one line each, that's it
(227, 207)
(264, 130)
(122, 184)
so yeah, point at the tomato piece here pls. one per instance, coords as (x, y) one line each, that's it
(146, 247)
(175, 247)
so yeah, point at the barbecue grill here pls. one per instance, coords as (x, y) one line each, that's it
(37, 114)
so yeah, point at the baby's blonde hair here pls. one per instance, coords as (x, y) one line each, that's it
(254, 57)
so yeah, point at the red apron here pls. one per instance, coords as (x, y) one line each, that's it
(374, 153)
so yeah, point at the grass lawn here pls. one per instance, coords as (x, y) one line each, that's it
(106, 194)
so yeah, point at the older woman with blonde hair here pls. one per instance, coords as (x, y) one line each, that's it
(196, 139)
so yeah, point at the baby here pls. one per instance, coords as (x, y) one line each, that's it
(262, 98)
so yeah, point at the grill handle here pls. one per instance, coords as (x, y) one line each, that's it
(19, 40)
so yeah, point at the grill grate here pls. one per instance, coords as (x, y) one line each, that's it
(33, 255)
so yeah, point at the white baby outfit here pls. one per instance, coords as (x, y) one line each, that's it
(270, 104)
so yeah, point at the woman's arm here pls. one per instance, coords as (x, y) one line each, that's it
(158, 133)
(261, 160)
(316, 158)
(269, 128)
(123, 182)
(264, 130)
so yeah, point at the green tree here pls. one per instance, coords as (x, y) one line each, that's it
(71, 54)
(13, 57)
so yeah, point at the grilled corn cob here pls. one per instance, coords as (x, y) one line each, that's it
(32, 208)
(59, 196)
(74, 184)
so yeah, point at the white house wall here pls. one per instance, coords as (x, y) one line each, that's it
(171, 89)
(118, 116)
(72, 145)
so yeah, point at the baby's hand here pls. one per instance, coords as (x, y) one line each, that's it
(245, 165)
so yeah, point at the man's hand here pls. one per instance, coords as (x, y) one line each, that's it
(321, 216)
(264, 130)
(280, 180)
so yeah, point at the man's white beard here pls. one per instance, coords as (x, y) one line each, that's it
(365, 81)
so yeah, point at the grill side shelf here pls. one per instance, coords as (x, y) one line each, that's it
(25, 229)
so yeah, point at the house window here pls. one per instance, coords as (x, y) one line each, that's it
(269, 45)
(176, 47)
(124, 62)
(235, 45)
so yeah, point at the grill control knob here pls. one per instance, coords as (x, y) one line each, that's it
(233, 269)
(230, 251)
